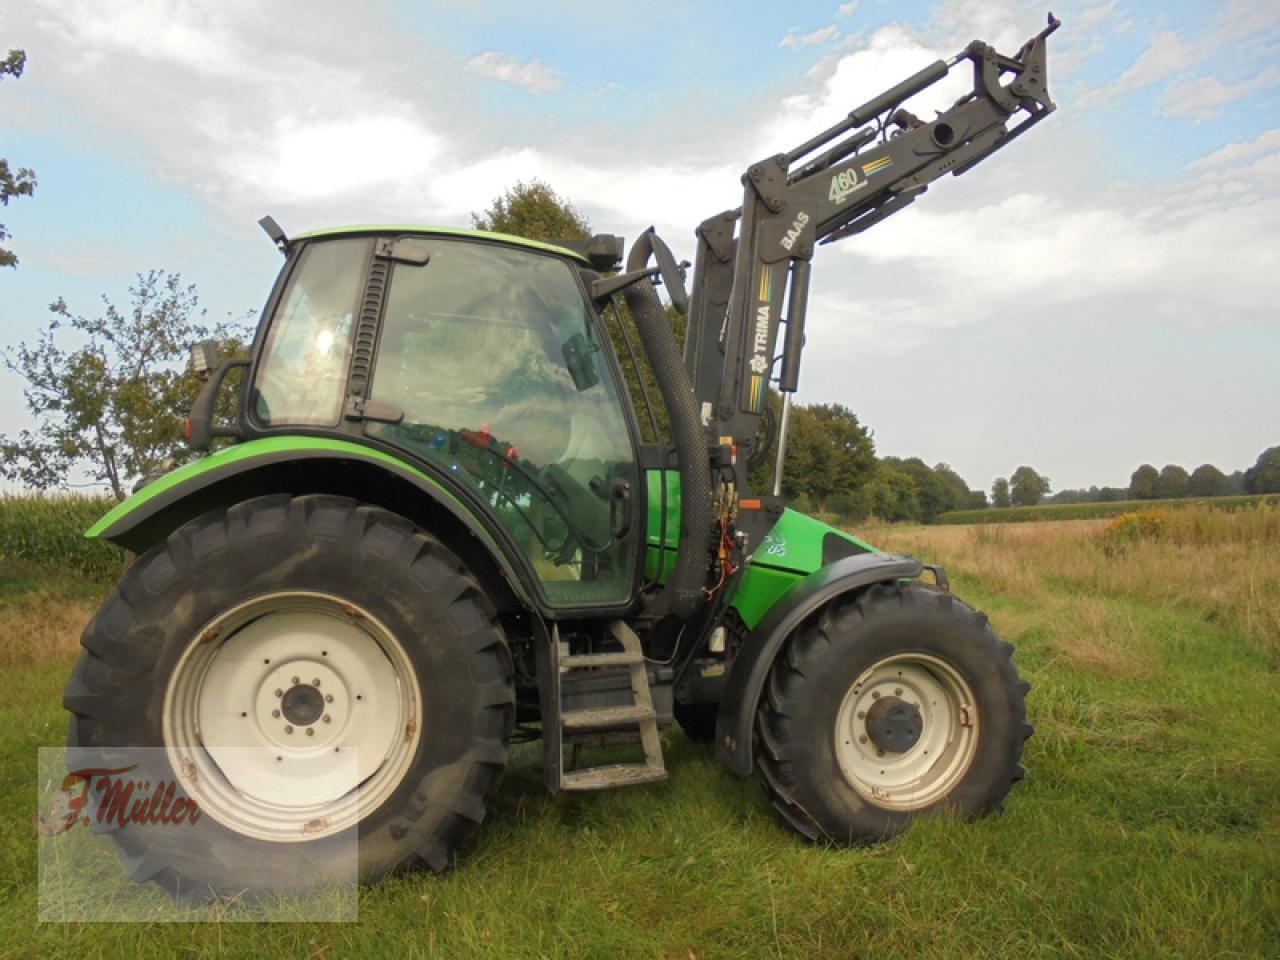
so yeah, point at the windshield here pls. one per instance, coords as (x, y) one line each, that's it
(491, 354)
(302, 376)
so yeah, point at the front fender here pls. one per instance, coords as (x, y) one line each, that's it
(745, 683)
(294, 464)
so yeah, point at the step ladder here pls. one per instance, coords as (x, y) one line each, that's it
(559, 725)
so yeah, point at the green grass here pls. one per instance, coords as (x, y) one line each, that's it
(1149, 825)
(1094, 511)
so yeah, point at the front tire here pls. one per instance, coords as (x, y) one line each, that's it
(891, 703)
(301, 627)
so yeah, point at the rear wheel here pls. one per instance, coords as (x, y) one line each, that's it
(355, 655)
(892, 703)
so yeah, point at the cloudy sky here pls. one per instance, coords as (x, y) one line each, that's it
(1104, 292)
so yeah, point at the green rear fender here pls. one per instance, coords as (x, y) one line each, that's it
(302, 465)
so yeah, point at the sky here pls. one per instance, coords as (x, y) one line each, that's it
(1104, 292)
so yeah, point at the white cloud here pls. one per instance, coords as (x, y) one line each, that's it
(1232, 153)
(1167, 54)
(534, 75)
(1090, 18)
(794, 39)
(1204, 97)
(892, 54)
(847, 9)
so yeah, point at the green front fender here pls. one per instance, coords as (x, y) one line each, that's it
(797, 546)
(299, 465)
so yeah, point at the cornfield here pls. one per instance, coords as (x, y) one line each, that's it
(50, 530)
(1099, 511)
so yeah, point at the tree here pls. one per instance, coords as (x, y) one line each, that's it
(13, 183)
(1027, 488)
(114, 401)
(828, 452)
(891, 494)
(957, 491)
(1172, 483)
(535, 211)
(1000, 492)
(1264, 475)
(1206, 480)
(1144, 483)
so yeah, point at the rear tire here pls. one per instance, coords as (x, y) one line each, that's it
(399, 617)
(896, 702)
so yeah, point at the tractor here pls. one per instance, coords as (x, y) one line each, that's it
(433, 525)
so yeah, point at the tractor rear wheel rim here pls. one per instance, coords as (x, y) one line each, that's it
(906, 731)
(292, 716)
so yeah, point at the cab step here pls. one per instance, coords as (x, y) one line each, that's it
(582, 661)
(612, 775)
(557, 667)
(604, 718)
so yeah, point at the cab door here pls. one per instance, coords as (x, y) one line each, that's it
(492, 354)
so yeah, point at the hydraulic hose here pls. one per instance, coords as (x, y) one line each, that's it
(684, 589)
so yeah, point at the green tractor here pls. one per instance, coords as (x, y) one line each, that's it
(437, 526)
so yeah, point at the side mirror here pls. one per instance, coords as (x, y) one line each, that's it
(204, 358)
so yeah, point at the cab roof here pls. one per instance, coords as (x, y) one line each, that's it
(401, 228)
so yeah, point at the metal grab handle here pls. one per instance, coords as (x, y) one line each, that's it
(619, 501)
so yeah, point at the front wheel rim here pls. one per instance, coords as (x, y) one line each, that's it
(292, 716)
(907, 731)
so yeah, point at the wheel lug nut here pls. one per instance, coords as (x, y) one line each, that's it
(863, 738)
(294, 679)
(879, 752)
(862, 714)
(875, 694)
(311, 732)
(279, 693)
(326, 718)
(328, 698)
(315, 682)
(288, 729)
(898, 692)
(275, 713)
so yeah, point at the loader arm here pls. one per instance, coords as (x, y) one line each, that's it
(839, 183)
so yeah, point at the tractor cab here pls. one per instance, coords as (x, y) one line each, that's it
(478, 360)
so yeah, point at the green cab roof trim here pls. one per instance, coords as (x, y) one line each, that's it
(401, 228)
(247, 451)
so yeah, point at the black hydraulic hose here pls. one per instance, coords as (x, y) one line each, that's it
(684, 589)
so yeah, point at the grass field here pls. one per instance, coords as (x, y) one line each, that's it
(1149, 825)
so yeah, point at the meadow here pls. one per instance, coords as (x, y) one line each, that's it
(1149, 824)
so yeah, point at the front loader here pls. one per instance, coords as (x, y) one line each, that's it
(436, 528)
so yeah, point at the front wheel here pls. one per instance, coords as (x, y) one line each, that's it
(308, 670)
(892, 703)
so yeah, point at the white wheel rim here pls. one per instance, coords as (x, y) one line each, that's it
(941, 707)
(321, 693)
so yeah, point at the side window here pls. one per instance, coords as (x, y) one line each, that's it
(489, 353)
(302, 376)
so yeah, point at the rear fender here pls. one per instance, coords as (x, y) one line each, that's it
(745, 684)
(303, 465)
